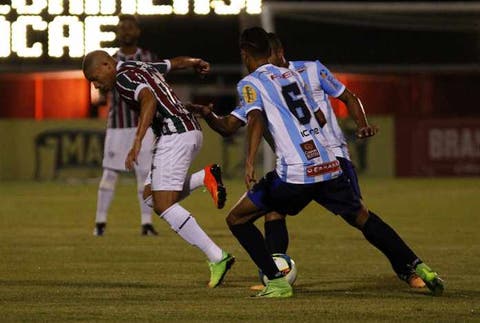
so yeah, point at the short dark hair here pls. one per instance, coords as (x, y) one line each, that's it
(126, 17)
(275, 42)
(255, 42)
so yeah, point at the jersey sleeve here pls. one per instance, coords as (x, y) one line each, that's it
(328, 82)
(240, 113)
(129, 85)
(250, 97)
(162, 66)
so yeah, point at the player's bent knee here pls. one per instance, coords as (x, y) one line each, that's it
(362, 217)
(233, 219)
(357, 219)
(108, 181)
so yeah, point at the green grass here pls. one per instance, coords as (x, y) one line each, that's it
(53, 269)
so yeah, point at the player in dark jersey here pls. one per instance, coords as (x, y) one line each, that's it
(121, 127)
(179, 138)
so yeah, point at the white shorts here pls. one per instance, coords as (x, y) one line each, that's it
(172, 157)
(118, 142)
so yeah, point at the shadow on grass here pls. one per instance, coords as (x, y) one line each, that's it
(87, 284)
(372, 286)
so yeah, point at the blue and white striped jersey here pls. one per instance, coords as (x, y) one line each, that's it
(322, 84)
(300, 146)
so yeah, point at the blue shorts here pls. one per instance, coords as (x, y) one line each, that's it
(349, 170)
(272, 194)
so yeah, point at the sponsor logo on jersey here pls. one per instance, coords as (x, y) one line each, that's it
(249, 94)
(315, 170)
(310, 149)
(308, 132)
(285, 75)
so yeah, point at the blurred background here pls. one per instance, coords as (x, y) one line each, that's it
(414, 65)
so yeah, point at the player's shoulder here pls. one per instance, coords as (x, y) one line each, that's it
(247, 80)
(128, 66)
(301, 66)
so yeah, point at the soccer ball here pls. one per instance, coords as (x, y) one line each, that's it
(285, 264)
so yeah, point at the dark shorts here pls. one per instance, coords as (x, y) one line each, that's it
(350, 173)
(272, 194)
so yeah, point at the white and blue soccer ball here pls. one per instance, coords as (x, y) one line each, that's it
(285, 264)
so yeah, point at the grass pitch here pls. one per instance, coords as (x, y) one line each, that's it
(53, 269)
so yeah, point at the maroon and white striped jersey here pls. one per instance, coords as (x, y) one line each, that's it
(119, 114)
(171, 116)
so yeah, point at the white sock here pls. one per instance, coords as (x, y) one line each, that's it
(106, 189)
(187, 227)
(196, 180)
(192, 182)
(145, 210)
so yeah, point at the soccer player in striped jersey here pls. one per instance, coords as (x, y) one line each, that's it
(179, 138)
(306, 169)
(121, 126)
(323, 84)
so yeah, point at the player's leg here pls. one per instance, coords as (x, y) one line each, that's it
(241, 219)
(142, 170)
(404, 261)
(350, 173)
(337, 196)
(112, 164)
(168, 177)
(141, 174)
(210, 176)
(276, 233)
(105, 194)
(276, 237)
(240, 222)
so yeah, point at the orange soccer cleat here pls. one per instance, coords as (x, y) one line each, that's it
(415, 281)
(213, 183)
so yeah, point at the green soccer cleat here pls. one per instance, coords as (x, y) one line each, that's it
(431, 279)
(277, 288)
(219, 269)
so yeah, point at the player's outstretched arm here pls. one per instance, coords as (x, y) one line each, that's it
(255, 129)
(182, 62)
(225, 126)
(355, 108)
(147, 112)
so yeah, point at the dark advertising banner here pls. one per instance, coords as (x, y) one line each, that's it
(437, 147)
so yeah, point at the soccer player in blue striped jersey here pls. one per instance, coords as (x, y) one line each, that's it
(179, 139)
(306, 168)
(323, 84)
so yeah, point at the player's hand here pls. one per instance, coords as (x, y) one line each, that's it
(367, 131)
(132, 156)
(202, 67)
(199, 109)
(250, 176)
